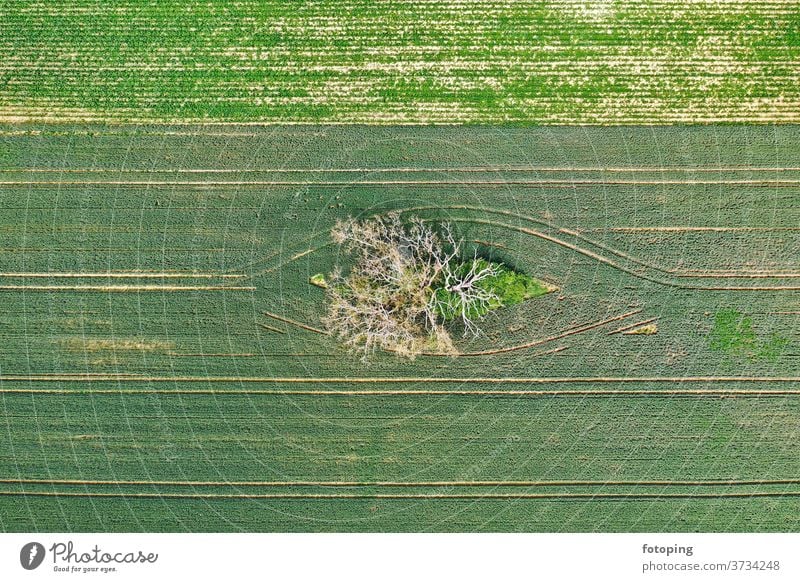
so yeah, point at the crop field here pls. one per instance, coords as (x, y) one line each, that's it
(163, 365)
(401, 61)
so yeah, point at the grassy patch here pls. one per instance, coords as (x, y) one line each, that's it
(733, 333)
(510, 287)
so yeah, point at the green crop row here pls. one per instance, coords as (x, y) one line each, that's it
(408, 61)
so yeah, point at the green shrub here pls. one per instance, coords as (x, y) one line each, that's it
(733, 333)
(510, 287)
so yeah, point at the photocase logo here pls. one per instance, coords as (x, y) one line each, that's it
(31, 555)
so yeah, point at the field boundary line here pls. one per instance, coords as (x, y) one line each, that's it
(413, 484)
(396, 379)
(708, 393)
(477, 496)
(739, 275)
(557, 350)
(216, 355)
(393, 379)
(121, 275)
(121, 288)
(696, 228)
(535, 183)
(400, 169)
(125, 288)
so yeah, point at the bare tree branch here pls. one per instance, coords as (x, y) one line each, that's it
(388, 300)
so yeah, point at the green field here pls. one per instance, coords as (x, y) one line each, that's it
(407, 61)
(162, 366)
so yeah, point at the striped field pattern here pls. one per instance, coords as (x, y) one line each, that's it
(401, 61)
(163, 365)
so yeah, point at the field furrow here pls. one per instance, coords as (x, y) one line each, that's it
(164, 356)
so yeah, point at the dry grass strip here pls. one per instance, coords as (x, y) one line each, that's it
(270, 328)
(123, 288)
(632, 325)
(550, 352)
(487, 483)
(127, 275)
(739, 276)
(467, 169)
(398, 379)
(699, 228)
(220, 355)
(478, 496)
(301, 254)
(680, 393)
(501, 183)
(295, 323)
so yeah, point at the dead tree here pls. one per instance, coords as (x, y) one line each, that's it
(388, 299)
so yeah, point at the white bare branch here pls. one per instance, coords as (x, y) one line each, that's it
(388, 301)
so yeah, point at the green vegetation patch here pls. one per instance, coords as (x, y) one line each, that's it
(733, 333)
(507, 287)
(400, 61)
